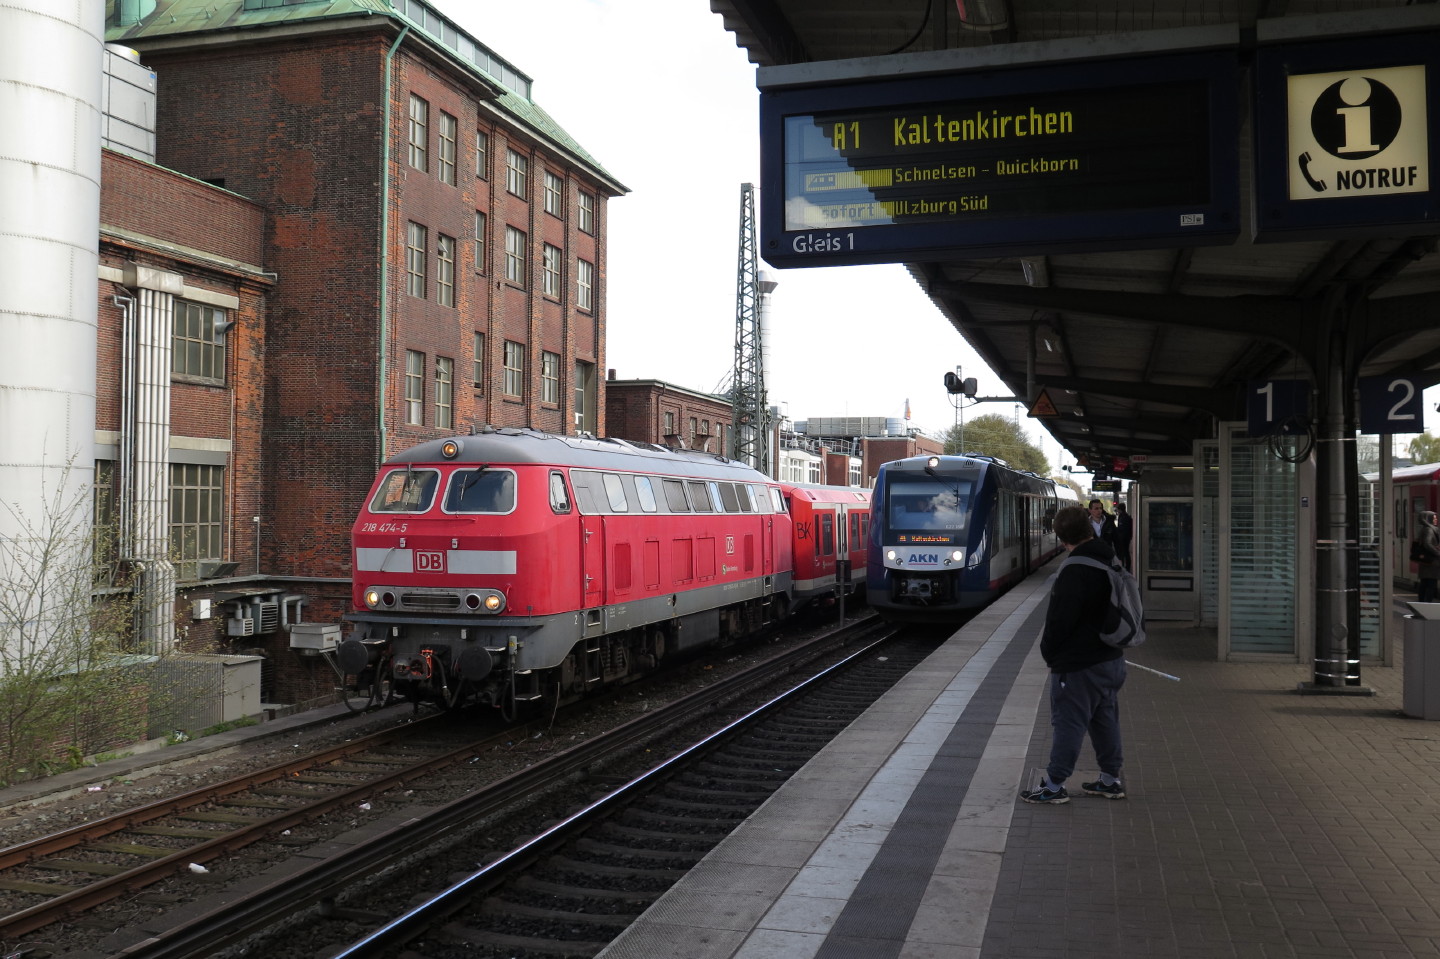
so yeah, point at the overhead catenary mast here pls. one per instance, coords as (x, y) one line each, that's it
(749, 402)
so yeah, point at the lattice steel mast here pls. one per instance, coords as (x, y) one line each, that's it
(750, 411)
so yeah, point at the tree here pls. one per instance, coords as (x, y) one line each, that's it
(1425, 449)
(63, 694)
(993, 435)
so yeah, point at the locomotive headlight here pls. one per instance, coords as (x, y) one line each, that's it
(932, 463)
(372, 598)
(494, 602)
(450, 449)
(488, 601)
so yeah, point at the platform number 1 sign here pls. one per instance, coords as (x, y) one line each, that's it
(1278, 407)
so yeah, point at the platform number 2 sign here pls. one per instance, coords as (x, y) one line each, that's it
(1391, 404)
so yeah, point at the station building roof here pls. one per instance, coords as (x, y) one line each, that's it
(1139, 351)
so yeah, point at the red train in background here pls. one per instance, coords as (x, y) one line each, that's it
(515, 567)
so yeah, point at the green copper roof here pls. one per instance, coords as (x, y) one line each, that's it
(132, 22)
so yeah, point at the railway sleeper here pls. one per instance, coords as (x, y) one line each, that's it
(567, 864)
(504, 942)
(547, 888)
(677, 856)
(501, 907)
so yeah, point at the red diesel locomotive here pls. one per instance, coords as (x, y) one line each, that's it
(513, 566)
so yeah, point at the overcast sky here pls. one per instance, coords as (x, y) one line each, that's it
(658, 92)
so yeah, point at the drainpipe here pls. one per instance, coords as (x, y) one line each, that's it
(126, 525)
(385, 243)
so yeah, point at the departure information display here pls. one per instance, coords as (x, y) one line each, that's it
(1069, 165)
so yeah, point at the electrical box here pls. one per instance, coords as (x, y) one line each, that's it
(316, 636)
(200, 609)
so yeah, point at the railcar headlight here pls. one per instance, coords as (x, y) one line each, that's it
(957, 555)
(892, 555)
(932, 463)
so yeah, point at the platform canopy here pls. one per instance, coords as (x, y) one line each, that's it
(1139, 343)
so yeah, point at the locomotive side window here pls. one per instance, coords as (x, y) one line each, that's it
(480, 491)
(777, 502)
(615, 493)
(646, 493)
(405, 491)
(675, 496)
(746, 501)
(728, 497)
(559, 497)
(700, 497)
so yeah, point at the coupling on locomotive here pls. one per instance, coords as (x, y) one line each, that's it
(511, 566)
(950, 533)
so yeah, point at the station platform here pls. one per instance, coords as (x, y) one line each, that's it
(1259, 822)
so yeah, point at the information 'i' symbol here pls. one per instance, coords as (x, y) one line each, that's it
(1355, 118)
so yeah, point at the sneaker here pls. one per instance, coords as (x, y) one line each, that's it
(1115, 790)
(1054, 796)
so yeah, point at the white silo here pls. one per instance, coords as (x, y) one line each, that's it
(50, 89)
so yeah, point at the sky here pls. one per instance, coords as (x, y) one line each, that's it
(659, 94)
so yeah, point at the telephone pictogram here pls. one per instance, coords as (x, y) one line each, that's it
(1317, 185)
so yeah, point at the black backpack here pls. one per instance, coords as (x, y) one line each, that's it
(1125, 620)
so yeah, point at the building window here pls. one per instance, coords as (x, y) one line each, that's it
(105, 529)
(445, 270)
(197, 516)
(449, 134)
(514, 368)
(585, 398)
(517, 173)
(416, 238)
(669, 423)
(482, 154)
(481, 224)
(584, 285)
(704, 437)
(694, 429)
(550, 274)
(444, 393)
(550, 378)
(414, 387)
(478, 371)
(419, 132)
(198, 345)
(515, 255)
(587, 212)
(554, 194)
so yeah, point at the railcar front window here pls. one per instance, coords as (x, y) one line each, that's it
(405, 491)
(480, 491)
(929, 506)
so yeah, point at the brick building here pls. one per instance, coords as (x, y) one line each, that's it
(653, 411)
(362, 233)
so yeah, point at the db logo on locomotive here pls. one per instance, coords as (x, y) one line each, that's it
(429, 561)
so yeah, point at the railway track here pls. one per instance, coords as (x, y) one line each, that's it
(261, 806)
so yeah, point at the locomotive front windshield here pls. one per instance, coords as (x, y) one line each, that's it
(480, 491)
(405, 491)
(926, 504)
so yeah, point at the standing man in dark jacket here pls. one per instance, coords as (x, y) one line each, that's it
(1124, 533)
(1085, 672)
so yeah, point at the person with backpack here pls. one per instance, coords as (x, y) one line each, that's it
(1086, 670)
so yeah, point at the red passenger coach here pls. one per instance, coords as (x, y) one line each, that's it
(832, 526)
(512, 566)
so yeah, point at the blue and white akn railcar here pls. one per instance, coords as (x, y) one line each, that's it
(951, 533)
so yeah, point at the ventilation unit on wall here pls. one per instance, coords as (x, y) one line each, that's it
(254, 617)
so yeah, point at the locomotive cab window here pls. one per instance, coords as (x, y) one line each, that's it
(559, 497)
(405, 491)
(480, 491)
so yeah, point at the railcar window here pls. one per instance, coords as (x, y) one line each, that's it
(405, 491)
(480, 491)
(827, 534)
(728, 497)
(922, 504)
(559, 497)
(615, 493)
(675, 496)
(700, 497)
(646, 494)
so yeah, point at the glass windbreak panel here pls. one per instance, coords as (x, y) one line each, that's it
(924, 509)
(1371, 623)
(480, 491)
(405, 491)
(1263, 560)
(1209, 535)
